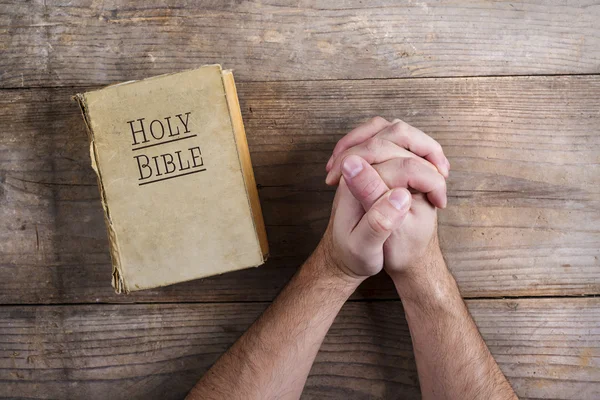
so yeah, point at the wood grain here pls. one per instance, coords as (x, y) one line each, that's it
(548, 348)
(58, 43)
(523, 212)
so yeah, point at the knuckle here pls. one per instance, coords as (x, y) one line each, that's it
(410, 164)
(378, 222)
(378, 120)
(401, 125)
(373, 145)
(370, 189)
(397, 128)
(400, 133)
(339, 145)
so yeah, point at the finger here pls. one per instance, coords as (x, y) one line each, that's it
(386, 215)
(374, 150)
(409, 172)
(364, 182)
(349, 207)
(357, 136)
(417, 142)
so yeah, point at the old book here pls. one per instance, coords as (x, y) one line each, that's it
(175, 178)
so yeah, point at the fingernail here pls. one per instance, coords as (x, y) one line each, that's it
(399, 199)
(328, 166)
(351, 167)
(447, 164)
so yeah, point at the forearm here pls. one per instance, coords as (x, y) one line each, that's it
(452, 359)
(273, 358)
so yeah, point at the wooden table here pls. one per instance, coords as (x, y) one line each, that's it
(511, 90)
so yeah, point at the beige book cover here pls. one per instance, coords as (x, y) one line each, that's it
(175, 178)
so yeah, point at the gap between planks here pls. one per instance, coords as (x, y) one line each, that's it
(399, 78)
(364, 300)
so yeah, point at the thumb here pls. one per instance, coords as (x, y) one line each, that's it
(363, 181)
(386, 215)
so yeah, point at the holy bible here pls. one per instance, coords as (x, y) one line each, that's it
(175, 178)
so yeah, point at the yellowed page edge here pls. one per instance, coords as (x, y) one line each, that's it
(245, 161)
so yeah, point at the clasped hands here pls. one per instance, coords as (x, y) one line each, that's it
(391, 177)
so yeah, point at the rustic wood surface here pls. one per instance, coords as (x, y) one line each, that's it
(58, 43)
(548, 348)
(524, 199)
(524, 212)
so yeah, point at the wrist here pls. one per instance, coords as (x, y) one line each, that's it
(431, 298)
(428, 281)
(323, 270)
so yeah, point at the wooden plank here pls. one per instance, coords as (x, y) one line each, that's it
(57, 43)
(548, 348)
(523, 210)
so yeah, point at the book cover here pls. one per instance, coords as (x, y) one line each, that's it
(175, 178)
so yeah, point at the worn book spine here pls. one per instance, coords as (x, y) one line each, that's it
(118, 282)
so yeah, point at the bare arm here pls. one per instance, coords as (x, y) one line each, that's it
(272, 359)
(370, 226)
(452, 359)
